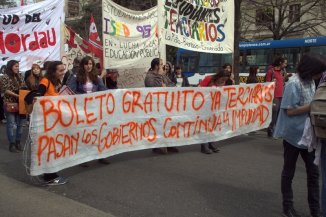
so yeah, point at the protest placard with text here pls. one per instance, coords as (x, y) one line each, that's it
(203, 26)
(31, 33)
(130, 39)
(69, 130)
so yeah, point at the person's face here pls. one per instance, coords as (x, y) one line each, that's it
(284, 64)
(178, 72)
(160, 68)
(114, 76)
(15, 68)
(167, 68)
(60, 72)
(228, 68)
(36, 71)
(88, 67)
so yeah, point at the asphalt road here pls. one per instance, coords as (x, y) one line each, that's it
(243, 180)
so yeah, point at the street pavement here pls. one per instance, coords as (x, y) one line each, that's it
(243, 180)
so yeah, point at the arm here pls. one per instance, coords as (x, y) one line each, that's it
(72, 83)
(41, 89)
(101, 86)
(10, 93)
(299, 110)
(6, 87)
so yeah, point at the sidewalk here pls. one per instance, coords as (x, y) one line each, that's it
(21, 200)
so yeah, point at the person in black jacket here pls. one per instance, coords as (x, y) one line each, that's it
(180, 80)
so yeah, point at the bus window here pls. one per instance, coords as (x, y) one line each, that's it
(318, 50)
(292, 55)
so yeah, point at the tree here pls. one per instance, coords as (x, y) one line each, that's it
(277, 19)
(7, 4)
(236, 49)
(81, 25)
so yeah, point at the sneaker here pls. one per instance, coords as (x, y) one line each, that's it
(160, 151)
(290, 213)
(212, 147)
(104, 161)
(57, 181)
(173, 149)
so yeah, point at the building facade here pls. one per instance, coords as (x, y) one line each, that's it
(260, 20)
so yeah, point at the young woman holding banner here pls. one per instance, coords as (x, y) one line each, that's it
(87, 80)
(216, 80)
(50, 85)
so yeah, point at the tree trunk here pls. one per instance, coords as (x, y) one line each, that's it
(237, 32)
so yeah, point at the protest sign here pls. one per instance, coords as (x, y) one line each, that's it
(69, 130)
(130, 39)
(203, 26)
(132, 78)
(32, 32)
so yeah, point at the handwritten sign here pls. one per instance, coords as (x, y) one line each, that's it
(31, 32)
(69, 130)
(130, 38)
(203, 26)
(132, 78)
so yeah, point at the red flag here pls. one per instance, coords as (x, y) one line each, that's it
(94, 40)
(75, 40)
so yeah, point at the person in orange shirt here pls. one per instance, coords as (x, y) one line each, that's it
(50, 86)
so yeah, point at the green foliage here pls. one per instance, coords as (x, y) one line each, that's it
(81, 26)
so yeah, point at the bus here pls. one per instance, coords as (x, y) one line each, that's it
(197, 65)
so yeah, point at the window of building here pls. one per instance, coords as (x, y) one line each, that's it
(294, 13)
(264, 16)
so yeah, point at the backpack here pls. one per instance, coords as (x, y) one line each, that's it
(318, 111)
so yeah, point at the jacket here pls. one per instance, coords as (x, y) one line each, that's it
(78, 88)
(154, 79)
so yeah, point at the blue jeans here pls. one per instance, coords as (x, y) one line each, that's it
(12, 119)
(323, 175)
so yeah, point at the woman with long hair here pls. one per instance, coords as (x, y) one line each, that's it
(228, 67)
(294, 110)
(87, 79)
(33, 80)
(252, 78)
(50, 85)
(216, 80)
(12, 81)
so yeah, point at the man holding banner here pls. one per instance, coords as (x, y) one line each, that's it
(156, 77)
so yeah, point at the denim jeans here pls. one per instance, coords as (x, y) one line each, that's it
(275, 111)
(2, 112)
(323, 175)
(12, 119)
(291, 154)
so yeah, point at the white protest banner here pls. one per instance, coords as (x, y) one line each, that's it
(69, 130)
(30, 33)
(132, 78)
(130, 39)
(203, 26)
